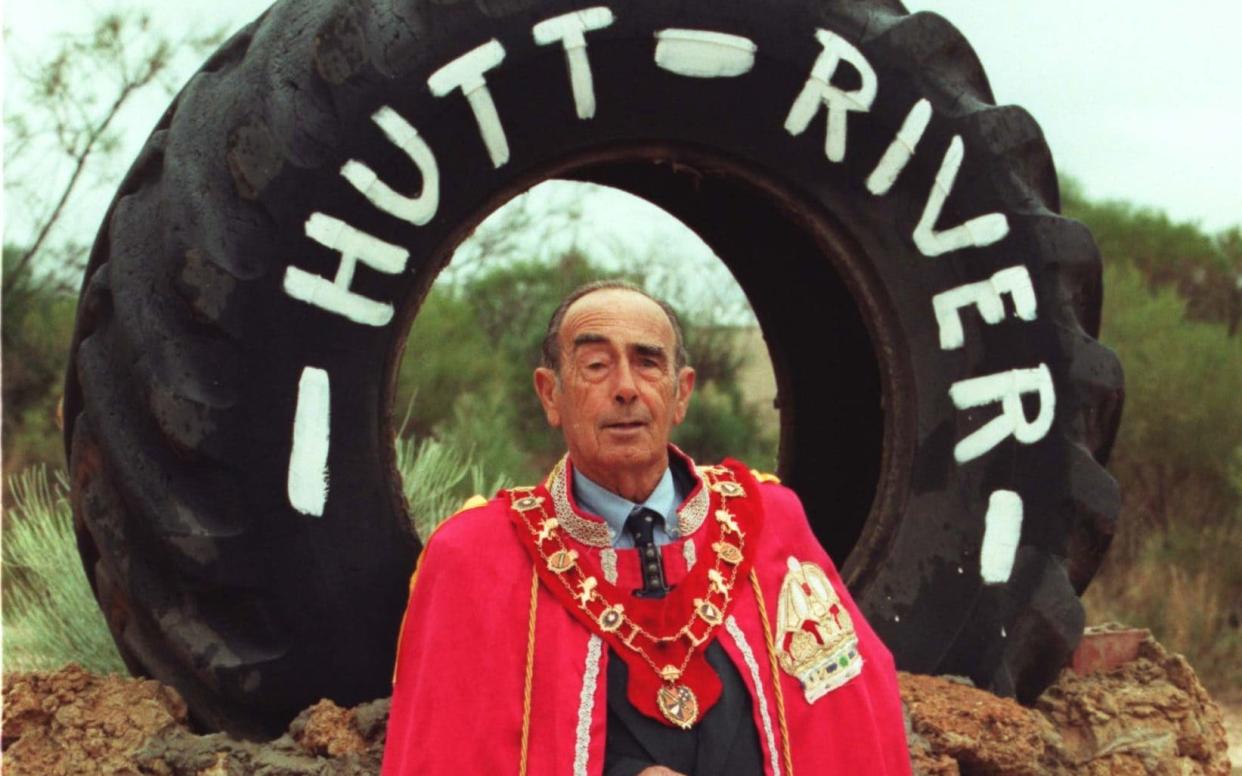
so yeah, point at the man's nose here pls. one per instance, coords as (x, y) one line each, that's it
(625, 390)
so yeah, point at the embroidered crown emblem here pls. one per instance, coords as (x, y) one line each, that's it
(815, 637)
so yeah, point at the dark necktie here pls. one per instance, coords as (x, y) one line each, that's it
(641, 525)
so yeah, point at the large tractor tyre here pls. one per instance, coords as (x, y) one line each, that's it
(944, 407)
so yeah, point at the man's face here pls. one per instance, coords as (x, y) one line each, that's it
(619, 393)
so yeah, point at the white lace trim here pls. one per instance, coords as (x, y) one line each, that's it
(608, 560)
(691, 516)
(596, 533)
(586, 705)
(739, 638)
(592, 533)
(688, 552)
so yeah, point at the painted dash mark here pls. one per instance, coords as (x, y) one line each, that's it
(1001, 533)
(308, 460)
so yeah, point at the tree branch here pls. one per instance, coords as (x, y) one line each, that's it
(79, 165)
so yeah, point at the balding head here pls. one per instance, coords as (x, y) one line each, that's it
(551, 350)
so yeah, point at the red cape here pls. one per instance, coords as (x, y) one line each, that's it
(481, 683)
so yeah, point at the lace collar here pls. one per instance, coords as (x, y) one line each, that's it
(594, 532)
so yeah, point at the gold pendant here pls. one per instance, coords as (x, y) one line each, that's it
(562, 560)
(728, 488)
(729, 553)
(678, 705)
(708, 611)
(527, 503)
(611, 618)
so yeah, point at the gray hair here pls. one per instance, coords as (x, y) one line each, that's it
(551, 339)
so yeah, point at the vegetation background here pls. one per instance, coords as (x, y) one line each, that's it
(1172, 307)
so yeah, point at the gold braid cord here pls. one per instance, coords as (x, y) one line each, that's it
(530, 671)
(786, 755)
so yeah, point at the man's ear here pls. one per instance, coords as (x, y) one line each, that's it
(685, 387)
(547, 387)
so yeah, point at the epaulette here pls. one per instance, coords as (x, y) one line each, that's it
(474, 502)
(765, 477)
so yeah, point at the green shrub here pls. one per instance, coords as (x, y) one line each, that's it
(1174, 564)
(50, 615)
(437, 477)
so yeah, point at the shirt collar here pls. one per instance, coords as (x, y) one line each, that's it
(615, 510)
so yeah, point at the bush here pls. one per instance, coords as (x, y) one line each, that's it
(1182, 430)
(437, 477)
(36, 325)
(50, 615)
(1174, 564)
(1202, 268)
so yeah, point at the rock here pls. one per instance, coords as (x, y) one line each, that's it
(1150, 715)
(324, 740)
(73, 722)
(1146, 716)
(327, 729)
(960, 729)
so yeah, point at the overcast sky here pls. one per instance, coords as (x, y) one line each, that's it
(1139, 99)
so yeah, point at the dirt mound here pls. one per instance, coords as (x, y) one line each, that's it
(73, 722)
(1149, 715)
(955, 728)
(324, 740)
(1146, 716)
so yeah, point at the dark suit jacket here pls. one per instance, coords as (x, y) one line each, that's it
(724, 743)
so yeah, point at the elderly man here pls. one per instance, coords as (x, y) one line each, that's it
(635, 613)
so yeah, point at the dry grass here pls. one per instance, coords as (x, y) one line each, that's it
(1182, 585)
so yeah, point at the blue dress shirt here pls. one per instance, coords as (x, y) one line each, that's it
(615, 510)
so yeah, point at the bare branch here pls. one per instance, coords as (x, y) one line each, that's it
(79, 165)
(75, 121)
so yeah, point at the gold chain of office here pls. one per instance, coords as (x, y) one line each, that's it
(675, 700)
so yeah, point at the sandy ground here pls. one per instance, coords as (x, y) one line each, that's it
(1233, 732)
